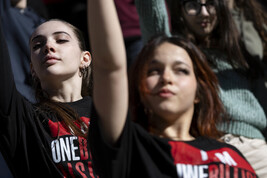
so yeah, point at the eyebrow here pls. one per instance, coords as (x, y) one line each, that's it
(155, 61)
(55, 33)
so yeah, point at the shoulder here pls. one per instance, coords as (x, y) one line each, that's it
(206, 143)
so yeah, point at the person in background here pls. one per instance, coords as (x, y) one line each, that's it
(48, 138)
(209, 24)
(129, 22)
(173, 100)
(251, 21)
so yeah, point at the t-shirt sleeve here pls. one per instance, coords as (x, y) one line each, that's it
(12, 104)
(7, 81)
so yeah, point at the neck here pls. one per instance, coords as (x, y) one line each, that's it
(177, 130)
(64, 92)
(64, 97)
(173, 134)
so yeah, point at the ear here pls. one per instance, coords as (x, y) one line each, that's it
(86, 59)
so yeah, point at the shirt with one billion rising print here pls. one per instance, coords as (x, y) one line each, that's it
(38, 144)
(140, 154)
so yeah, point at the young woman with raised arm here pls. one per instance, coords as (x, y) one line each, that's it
(173, 102)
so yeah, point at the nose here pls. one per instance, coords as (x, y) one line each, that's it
(48, 47)
(166, 77)
(204, 11)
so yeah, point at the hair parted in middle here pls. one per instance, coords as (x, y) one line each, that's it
(60, 110)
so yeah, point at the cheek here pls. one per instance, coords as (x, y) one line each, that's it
(189, 21)
(214, 22)
(35, 56)
(34, 62)
(188, 87)
(151, 82)
(74, 58)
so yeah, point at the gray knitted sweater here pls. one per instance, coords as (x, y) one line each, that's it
(247, 116)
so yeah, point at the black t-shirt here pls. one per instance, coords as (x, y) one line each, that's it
(139, 154)
(39, 145)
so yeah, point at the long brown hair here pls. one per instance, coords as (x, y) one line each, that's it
(224, 37)
(208, 112)
(60, 110)
(254, 12)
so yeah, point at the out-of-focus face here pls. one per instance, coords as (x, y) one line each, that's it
(200, 17)
(55, 51)
(19, 3)
(171, 83)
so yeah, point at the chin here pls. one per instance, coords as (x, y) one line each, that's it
(166, 111)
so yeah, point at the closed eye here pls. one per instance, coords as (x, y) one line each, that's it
(37, 45)
(182, 71)
(153, 71)
(60, 41)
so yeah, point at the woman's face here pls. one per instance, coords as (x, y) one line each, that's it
(55, 51)
(171, 82)
(200, 17)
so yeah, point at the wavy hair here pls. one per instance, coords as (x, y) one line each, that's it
(208, 112)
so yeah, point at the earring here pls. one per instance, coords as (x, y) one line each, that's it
(83, 72)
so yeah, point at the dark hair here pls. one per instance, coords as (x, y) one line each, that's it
(224, 37)
(254, 12)
(60, 110)
(208, 112)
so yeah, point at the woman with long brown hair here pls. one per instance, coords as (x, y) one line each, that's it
(173, 101)
(209, 25)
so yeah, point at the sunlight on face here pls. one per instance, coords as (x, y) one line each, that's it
(55, 51)
(171, 82)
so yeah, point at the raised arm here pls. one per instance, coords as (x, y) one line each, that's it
(110, 93)
(153, 17)
(7, 88)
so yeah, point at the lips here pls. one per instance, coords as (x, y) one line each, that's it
(204, 23)
(50, 59)
(165, 93)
